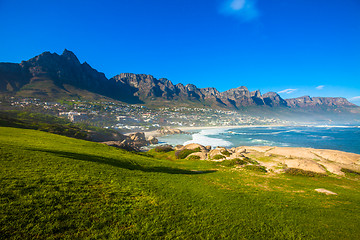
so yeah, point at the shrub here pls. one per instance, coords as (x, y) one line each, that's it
(346, 170)
(164, 148)
(240, 161)
(232, 162)
(182, 154)
(218, 156)
(226, 153)
(305, 173)
(249, 160)
(256, 168)
(194, 157)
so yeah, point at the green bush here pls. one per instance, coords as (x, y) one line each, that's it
(194, 157)
(226, 153)
(182, 154)
(305, 173)
(256, 168)
(240, 161)
(218, 156)
(249, 160)
(164, 148)
(232, 162)
(349, 171)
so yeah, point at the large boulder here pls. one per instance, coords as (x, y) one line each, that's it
(152, 140)
(193, 146)
(169, 131)
(133, 142)
(217, 151)
(203, 155)
(138, 137)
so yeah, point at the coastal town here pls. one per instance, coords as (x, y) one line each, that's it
(134, 117)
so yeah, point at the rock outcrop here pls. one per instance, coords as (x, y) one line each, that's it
(307, 101)
(169, 131)
(133, 142)
(279, 159)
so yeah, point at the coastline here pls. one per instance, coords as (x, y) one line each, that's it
(155, 133)
(230, 127)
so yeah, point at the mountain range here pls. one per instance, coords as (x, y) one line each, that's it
(53, 76)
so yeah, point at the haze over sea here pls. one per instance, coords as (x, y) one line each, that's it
(343, 138)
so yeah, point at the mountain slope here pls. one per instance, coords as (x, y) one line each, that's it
(54, 76)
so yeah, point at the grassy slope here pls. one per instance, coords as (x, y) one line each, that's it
(58, 187)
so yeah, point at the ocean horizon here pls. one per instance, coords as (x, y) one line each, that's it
(343, 138)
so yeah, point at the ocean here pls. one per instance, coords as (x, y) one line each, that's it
(343, 138)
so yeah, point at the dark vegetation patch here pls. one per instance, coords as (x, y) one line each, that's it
(226, 153)
(52, 124)
(255, 168)
(305, 173)
(251, 161)
(194, 157)
(350, 172)
(218, 157)
(232, 162)
(42, 122)
(182, 154)
(164, 148)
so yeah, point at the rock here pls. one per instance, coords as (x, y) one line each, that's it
(305, 164)
(152, 140)
(307, 101)
(216, 151)
(258, 148)
(327, 192)
(179, 147)
(274, 100)
(337, 156)
(290, 152)
(133, 142)
(203, 155)
(125, 144)
(139, 136)
(170, 131)
(208, 148)
(193, 146)
(239, 150)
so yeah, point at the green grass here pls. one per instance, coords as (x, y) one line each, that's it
(301, 172)
(182, 154)
(55, 187)
(218, 157)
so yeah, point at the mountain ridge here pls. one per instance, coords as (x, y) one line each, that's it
(62, 73)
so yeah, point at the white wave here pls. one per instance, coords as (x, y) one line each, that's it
(333, 126)
(327, 137)
(203, 138)
(264, 142)
(214, 131)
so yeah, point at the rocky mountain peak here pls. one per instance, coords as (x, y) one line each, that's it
(65, 69)
(70, 57)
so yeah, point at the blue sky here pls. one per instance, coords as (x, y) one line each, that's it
(294, 47)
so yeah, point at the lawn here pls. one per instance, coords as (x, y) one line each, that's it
(55, 187)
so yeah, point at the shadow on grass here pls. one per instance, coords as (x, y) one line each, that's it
(126, 164)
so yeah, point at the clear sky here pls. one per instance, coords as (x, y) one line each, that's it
(293, 47)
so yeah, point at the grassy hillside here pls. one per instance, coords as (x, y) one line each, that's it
(55, 187)
(57, 125)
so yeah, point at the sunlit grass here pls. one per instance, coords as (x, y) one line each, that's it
(54, 187)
